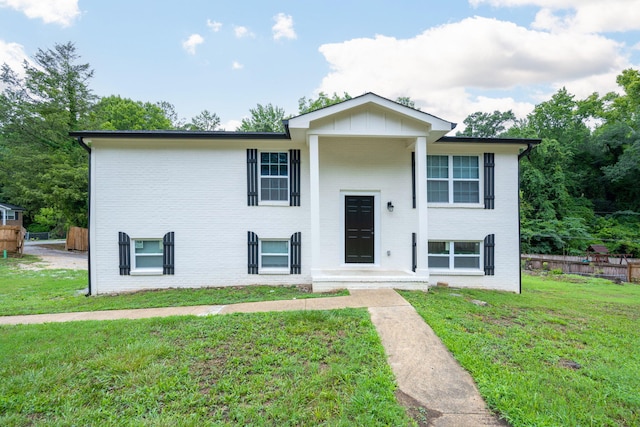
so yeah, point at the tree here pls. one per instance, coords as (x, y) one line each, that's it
(116, 113)
(267, 118)
(323, 100)
(487, 125)
(205, 121)
(407, 101)
(40, 165)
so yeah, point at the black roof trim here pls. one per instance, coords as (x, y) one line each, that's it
(485, 140)
(179, 134)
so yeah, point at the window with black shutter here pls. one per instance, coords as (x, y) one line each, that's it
(252, 252)
(125, 253)
(168, 254)
(296, 253)
(489, 180)
(252, 177)
(294, 179)
(489, 255)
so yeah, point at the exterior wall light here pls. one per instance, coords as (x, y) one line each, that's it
(390, 206)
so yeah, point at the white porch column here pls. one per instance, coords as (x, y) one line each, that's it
(314, 184)
(421, 206)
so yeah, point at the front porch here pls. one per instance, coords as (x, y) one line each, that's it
(329, 280)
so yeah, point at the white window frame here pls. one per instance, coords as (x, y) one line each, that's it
(10, 215)
(134, 257)
(274, 270)
(452, 255)
(286, 178)
(450, 181)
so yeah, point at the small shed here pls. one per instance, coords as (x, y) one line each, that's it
(598, 253)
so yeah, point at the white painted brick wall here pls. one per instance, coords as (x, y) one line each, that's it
(198, 190)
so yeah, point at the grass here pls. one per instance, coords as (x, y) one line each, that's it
(563, 353)
(268, 369)
(59, 291)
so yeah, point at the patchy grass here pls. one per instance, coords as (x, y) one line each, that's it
(563, 353)
(60, 291)
(284, 369)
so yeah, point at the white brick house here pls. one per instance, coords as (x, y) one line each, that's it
(365, 193)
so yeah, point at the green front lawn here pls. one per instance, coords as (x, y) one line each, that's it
(566, 352)
(59, 291)
(277, 369)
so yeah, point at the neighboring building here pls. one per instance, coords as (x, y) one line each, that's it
(365, 193)
(10, 214)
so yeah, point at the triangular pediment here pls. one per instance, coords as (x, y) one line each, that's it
(369, 115)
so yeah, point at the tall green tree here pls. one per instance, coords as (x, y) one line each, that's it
(264, 118)
(204, 121)
(116, 113)
(40, 165)
(487, 125)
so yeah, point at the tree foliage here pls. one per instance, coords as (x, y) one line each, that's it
(323, 100)
(487, 125)
(264, 118)
(116, 113)
(41, 166)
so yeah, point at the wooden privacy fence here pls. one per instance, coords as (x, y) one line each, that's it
(627, 270)
(634, 272)
(77, 239)
(11, 239)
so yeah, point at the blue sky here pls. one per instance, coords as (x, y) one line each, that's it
(453, 58)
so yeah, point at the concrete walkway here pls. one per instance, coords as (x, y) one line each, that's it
(426, 373)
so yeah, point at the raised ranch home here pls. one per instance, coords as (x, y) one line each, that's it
(365, 193)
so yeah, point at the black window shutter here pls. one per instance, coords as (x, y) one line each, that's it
(168, 252)
(414, 252)
(294, 177)
(252, 177)
(296, 253)
(489, 254)
(489, 181)
(413, 178)
(252, 252)
(125, 253)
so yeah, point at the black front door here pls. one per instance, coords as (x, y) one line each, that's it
(358, 229)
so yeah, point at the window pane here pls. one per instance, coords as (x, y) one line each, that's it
(275, 261)
(470, 248)
(274, 164)
(148, 246)
(437, 191)
(283, 170)
(274, 189)
(466, 262)
(466, 192)
(438, 261)
(275, 247)
(465, 167)
(438, 247)
(437, 167)
(154, 261)
(274, 158)
(264, 157)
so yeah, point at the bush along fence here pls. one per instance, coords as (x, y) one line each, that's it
(618, 269)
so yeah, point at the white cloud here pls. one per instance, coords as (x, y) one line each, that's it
(500, 58)
(237, 66)
(192, 42)
(242, 32)
(62, 12)
(214, 25)
(231, 125)
(13, 55)
(283, 28)
(578, 15)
